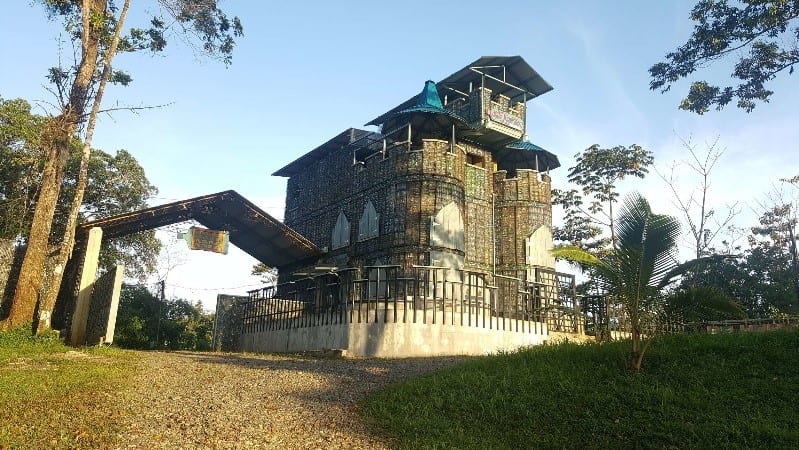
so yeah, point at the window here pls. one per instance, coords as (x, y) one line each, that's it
(475, 160)
(378, 280)
(538, 248)
(369, 225)
(446, 228)
(341, 232)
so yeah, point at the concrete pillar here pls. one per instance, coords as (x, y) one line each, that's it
(77, 335)
(114, 307)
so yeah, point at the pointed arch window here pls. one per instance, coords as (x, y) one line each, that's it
(538, 248)
(446, 228)
(369, 225)
(341, 232)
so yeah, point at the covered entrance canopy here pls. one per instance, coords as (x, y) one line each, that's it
(251, 229)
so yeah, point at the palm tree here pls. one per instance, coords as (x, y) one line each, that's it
(642, 261)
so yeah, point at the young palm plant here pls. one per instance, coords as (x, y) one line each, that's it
(642, 261)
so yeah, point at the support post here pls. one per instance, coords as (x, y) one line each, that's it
(77, 335)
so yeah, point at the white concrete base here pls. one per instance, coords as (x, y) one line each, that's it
(397, 340)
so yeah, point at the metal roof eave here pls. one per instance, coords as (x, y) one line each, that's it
(520, 77)
(337, 142)
(251, 229)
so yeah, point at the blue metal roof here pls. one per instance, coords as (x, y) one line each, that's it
(525, 155)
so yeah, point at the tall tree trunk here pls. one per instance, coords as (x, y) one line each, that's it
(31, 272)
(612, 224)
(68, 242)
(58, 134)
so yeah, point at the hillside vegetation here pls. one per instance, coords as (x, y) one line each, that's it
(695, 391)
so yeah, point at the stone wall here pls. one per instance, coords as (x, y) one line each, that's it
(10, 260)
(408, 185)
(227, 322)
(523, 203)
(102, 317)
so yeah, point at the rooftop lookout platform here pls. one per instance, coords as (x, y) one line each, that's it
(483, 103)
(489, 95)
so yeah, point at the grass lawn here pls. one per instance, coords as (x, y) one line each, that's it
(52, 396)
(737, 390)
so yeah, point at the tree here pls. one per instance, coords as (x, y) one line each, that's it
(638, 267)
(19, 172)
(704, 224)
(762, 279)
(698, 304)
(597, 171)
(776, 238)
(146, 322)
(97, 26)
(117, 184)
(723, 29)
(268, 274)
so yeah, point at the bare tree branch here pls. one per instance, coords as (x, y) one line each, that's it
(701, 218)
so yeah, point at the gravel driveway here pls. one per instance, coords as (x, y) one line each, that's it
(212, 400)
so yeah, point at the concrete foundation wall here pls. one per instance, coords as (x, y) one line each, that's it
(398, 340)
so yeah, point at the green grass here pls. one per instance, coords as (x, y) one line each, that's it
(52, 396)
(695, 391)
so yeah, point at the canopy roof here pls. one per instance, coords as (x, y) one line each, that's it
(338, 142)
(251, 229)
(428, 114)
(507, 75)
(525, 155)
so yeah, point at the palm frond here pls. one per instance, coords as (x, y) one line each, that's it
(575, 254)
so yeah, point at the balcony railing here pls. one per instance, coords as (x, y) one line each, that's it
(425, 295)
(481, 110)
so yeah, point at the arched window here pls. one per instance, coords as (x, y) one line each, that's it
(538, 248)
(369, 225)
(446, 228)
(341, 232)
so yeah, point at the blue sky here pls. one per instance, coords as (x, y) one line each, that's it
(305, 71)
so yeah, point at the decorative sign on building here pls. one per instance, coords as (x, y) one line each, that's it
(505, 116)
(205, 239)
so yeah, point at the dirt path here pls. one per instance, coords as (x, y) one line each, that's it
(209, 400)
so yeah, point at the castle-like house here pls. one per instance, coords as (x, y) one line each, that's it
(448, 181)
(431, 235)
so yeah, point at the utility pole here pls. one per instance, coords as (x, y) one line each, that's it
(161, 285)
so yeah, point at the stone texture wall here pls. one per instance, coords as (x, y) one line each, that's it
(102, 318)
(408, 185)
(227, 322)
(10, 259)
(523, 203)
(479, 225)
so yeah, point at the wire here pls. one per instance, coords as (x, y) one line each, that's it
(214, 289)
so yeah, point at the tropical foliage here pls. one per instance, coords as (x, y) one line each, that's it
(117, 184)
(634, 272)
(98, 33)
(590, 209)
(761, 34)
(146, 322)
